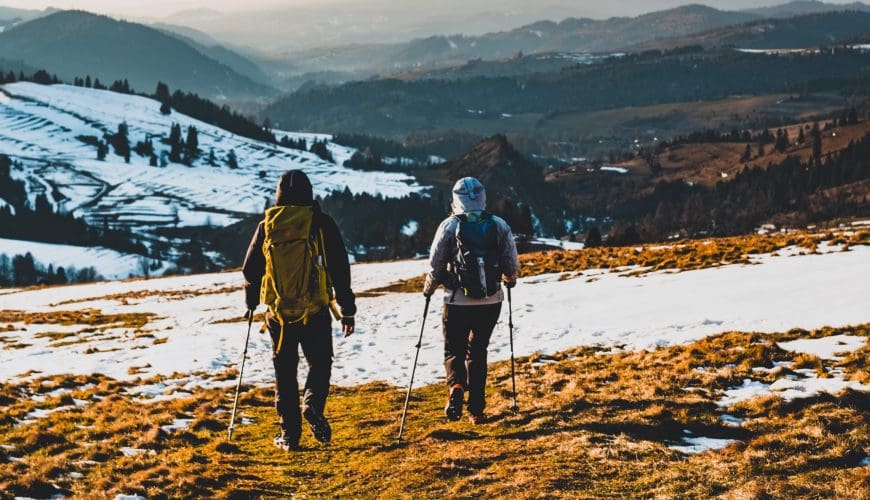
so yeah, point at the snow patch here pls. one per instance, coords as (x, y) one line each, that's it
(135, 452)
(618, 170)
(178, 424)
(791, 388)
(553, 242)
(750, 389)
(695, 445)
(4, 203)
(411, 228)
(731, 421)
(826, 347)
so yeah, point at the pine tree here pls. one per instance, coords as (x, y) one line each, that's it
(593, 238)
(23, 270)
(232, 161)
(816, 135)
(60, 276)
(162, 95)
(88, 83)
(175, 144)
(5, 271)
(121, 142)
(747, 154)
(801, 138)
(191, 146)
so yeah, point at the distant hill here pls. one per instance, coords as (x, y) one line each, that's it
(500, 167)
(23, 14)
(807, 31)
(11, 17)
(233, 60)
(509, 178)
(75, 43)
(521, 104)
(802, 7)
(570, 35)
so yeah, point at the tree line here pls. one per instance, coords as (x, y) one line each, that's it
(24, 270)
(795, 190)
(373, 225)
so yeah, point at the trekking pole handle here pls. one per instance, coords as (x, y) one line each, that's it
(425, 313)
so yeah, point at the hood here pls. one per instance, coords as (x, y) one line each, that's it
(294, 188)
(469, 195)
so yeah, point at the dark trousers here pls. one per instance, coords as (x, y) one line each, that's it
(467, 330)
(316, 341)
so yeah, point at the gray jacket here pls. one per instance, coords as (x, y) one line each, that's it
(444, 250)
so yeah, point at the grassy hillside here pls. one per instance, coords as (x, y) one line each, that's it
(592, 423)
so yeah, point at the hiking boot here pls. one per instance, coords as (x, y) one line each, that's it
(477, 418)
(286, 444)
(453, 410)
(319, 426)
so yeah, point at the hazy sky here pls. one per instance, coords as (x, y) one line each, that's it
(161, 8)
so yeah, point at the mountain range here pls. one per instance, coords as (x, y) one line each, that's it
(569, 35)
(189, 52)
(74, 44)
(805, 31)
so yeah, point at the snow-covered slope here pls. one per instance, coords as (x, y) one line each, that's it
(108, 263)
(41, 126)
(205, 334)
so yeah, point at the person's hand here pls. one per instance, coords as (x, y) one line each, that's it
(348, 326)
(510, 282)
(430, 286)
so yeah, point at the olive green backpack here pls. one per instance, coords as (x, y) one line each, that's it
(296, 283)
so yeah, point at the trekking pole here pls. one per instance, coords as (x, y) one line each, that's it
(515, 409)
(241, 370)
(413, 370)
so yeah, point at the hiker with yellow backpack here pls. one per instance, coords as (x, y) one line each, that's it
(297, 266)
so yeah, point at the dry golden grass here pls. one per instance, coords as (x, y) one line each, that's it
(591, 425)
(125, 297)
(258, 318)
(93, 317)
(681, 255)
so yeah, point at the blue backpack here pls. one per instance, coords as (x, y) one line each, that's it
(476, 269)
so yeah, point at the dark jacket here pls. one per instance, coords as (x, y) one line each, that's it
(336, 257)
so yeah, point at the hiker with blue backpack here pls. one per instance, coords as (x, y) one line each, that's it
(472, 255)
(297, 265)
